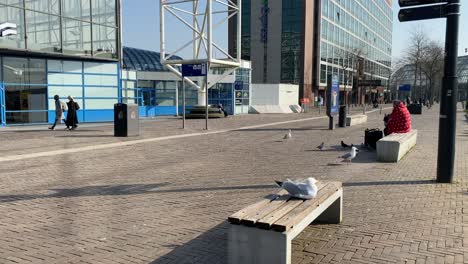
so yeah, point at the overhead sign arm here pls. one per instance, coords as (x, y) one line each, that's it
(408, 3)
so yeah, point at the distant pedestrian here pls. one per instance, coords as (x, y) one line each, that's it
(72, 118)
(408, 100)
(222, 110)
(320, 100)
(58, 111)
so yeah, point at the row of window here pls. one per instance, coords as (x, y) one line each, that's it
(331, 54)
(47, 32)
(30, 85)
(291, 39)
(95, 11)
(346, 77)
(370, 32)
(339, 37)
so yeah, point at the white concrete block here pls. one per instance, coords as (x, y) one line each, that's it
(271, 109)
(393, 147)
(356, 120)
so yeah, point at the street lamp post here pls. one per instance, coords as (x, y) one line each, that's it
(448, 97)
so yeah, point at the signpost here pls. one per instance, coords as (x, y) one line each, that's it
(449, 9)
(404, 87)
(194, 70)
(333, 99)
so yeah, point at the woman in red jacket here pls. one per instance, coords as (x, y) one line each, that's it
(399, 121)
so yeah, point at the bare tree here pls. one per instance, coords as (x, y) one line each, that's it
(415, 54)
(349, 62)
(396, 77)
(432, 65)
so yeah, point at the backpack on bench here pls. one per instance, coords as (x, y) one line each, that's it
(371, 136)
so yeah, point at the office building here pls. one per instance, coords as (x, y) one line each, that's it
(302, 41)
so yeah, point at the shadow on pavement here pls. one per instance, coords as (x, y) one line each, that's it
(86, 136)
(282, 129)
(210, 247)
(49, 131)
(378, 183)
(126, 189)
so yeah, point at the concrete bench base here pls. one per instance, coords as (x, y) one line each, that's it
(393, 147)
(356, 120)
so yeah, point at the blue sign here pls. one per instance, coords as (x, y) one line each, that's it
(333, 95)
(404, 87)
(194, 70)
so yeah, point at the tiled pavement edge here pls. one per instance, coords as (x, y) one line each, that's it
(166, 202)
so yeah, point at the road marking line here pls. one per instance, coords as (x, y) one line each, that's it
(146, 140)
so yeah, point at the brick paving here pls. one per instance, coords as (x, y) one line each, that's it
(167, 201)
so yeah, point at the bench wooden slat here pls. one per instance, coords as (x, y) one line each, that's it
(297, 214)
(252, 218)
(267, 221)
(238, 216)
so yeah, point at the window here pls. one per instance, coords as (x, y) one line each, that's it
(76, 37)
(16, 16)
(43, 32)
(104, 41)
(76, 9)
(46, 6)
(104, 12)
(25, 90)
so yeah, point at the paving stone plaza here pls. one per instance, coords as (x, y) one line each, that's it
(85, 196)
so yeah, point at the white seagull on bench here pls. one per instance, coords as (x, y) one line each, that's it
(303, 190)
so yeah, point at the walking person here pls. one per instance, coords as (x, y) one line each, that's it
(58, 111)
(72, 118)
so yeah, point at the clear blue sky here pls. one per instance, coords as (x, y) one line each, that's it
(141, 27)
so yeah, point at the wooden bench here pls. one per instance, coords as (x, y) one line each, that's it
(393, 147)
(356, 120)
(262, 233)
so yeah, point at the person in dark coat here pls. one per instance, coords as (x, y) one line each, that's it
(72, 118)
(58, 111)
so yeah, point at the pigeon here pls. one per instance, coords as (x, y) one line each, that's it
(344, 145)
(302, 190)
(288, 135)
(321, 146)
(348, 157)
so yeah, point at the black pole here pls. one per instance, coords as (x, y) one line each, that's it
(448, 97)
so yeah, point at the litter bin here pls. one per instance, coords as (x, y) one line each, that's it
(126, 120)
(415, 109)
(342, 116)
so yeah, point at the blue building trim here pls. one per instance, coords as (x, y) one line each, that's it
(2, 105)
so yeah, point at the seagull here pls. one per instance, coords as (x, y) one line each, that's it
(321, 146)
(302, 190)
(344, 145)
(348, 157)
(288, 135)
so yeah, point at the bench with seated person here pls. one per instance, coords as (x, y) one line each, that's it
(399, 138)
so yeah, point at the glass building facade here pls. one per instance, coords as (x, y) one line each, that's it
(72, 27)
(356, 37)
(302, 41)
(63, 47)
(462, 67)
(146, 82)
(291, 40)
